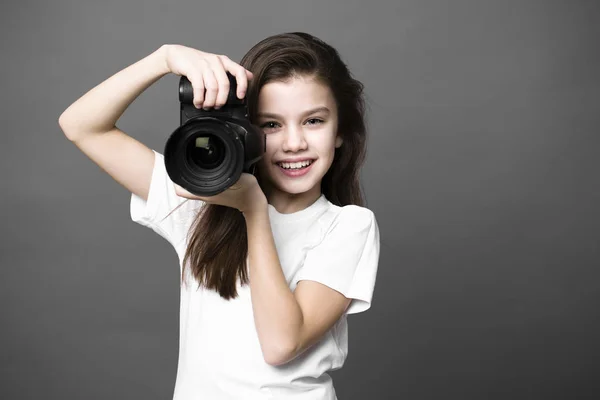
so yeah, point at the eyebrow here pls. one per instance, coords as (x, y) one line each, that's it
(312, 111)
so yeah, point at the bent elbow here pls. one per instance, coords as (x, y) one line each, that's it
(279, 355)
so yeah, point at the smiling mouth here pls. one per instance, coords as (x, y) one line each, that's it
(295, 166)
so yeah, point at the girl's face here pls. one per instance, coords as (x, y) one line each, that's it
(300, 119)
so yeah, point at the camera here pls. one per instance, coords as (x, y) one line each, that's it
(210, 149)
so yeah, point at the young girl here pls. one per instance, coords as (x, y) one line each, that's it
(270, 267)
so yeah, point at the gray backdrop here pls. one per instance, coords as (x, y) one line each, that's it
(482, 172)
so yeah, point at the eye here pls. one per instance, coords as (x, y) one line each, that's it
(269, 125)
(315, 121)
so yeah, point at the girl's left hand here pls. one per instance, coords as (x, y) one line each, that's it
(245, 195)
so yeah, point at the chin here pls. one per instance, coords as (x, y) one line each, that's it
(294, 188)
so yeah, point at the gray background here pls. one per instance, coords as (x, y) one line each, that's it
(482, 172)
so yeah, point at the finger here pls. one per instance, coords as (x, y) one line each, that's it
(242, 82)
(240, 73)
(212, 88)
(249, 76)
(223, 81)
(198, 87)
(181, 192)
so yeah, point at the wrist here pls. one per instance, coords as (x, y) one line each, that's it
(257, 211)
(161, 57)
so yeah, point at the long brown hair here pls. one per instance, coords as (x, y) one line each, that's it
(217, 247)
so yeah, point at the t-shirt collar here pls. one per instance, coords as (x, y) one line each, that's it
(309, 211)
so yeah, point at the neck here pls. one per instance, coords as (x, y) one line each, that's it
(287, 203)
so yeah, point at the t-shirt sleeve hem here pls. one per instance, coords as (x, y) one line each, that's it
(359, 301)
(145, 212)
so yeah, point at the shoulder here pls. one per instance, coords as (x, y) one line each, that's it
(345, 220)
(347, 214)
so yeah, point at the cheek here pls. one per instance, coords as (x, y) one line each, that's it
(269, 152)
(270, 148)
(329, 144)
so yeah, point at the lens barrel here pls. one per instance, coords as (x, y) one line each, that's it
(205, 156)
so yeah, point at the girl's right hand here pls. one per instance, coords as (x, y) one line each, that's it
(207, 72)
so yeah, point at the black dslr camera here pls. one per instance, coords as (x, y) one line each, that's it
(211, 148)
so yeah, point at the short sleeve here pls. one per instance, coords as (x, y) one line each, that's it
(347, 258)
(158, 212)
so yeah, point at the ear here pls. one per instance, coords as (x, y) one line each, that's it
(338, 142)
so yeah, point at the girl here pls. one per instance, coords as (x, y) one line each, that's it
(270, 267)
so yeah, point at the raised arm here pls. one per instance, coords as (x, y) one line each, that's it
(90, 123)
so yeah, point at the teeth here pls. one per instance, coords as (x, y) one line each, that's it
(295, 165)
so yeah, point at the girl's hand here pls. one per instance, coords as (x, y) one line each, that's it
(245, 195)
(206, 72)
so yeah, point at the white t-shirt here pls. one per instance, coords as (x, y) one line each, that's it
(219, 351)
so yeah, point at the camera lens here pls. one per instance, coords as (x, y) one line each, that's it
(206, 155)
(205, 152)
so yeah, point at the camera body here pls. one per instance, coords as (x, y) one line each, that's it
(210, 149)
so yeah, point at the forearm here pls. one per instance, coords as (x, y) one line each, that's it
(99, 109)
(277, 315)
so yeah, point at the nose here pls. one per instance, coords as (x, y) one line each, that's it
(294, 139)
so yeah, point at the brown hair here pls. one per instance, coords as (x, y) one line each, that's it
(218, 247)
